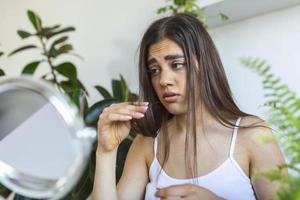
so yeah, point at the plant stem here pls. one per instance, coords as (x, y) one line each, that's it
(49, 62)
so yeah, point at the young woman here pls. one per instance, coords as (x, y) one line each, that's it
(202, 146)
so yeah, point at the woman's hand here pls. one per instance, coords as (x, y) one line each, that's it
(186, 191)
(114, 123)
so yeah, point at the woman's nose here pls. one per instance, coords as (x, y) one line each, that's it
(165, 78)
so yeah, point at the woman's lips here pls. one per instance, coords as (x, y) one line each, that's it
(171, 97)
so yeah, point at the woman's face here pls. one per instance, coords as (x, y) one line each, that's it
(167, 67)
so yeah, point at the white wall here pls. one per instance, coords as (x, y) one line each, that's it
(274, 37)
(108, 34)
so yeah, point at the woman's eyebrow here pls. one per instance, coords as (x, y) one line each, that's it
(174, 56)
(151, 61)
(167, 57)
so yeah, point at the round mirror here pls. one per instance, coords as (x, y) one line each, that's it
(44, 145)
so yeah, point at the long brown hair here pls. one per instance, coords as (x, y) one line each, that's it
(206, 81)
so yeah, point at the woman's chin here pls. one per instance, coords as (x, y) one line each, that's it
(175, 109)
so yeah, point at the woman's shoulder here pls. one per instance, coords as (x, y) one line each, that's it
(253, 126)
(144, 144)
(143, 141)
(257, 136)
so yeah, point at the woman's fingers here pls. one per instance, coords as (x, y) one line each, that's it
(118, 117)
(135, 111)
(123, 112)
(139, 103)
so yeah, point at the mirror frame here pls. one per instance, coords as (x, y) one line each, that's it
(82, 139)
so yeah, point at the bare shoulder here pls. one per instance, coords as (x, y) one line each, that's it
(261, 144)
(264, 155)
(255, 130)
(144, 145)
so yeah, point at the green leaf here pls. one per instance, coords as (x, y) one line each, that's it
(161, 10)
(51, 27)
(105, 94)
(224, 17)
(24, 34)
(53, 52)
(60, 40)
(189, 6)
(65, 49)
(31, 67)
(1, 53)
(76, 97)
(46, 31)
(2, 72)
(80, 84)
(124, 89)
(120, 89)
(179, 2)
(68, 86)
(68, 70)
(117, 89)
(22, 49)
(35, 20)
(92, 114)
(64, 30)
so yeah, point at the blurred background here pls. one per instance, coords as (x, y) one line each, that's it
(108, 34)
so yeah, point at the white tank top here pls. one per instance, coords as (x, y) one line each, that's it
(227, 181)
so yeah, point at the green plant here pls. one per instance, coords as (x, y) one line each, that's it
(53, 42)
(187, 6)
(283, 107)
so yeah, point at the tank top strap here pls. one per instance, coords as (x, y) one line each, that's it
(155, 145)
(233, 138)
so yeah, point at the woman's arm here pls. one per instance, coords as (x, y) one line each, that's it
(264, 156)
(105, 178)
(134, 177)
(113, 128)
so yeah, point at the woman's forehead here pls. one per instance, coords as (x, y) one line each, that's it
(163, 48)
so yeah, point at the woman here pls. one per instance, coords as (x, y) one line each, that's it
(202, 146)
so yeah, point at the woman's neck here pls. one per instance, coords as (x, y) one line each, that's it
(204, 120)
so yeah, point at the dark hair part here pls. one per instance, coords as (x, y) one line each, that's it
(206, 83)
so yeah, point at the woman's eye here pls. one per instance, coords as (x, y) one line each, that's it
(153, 71)
(178, 65)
